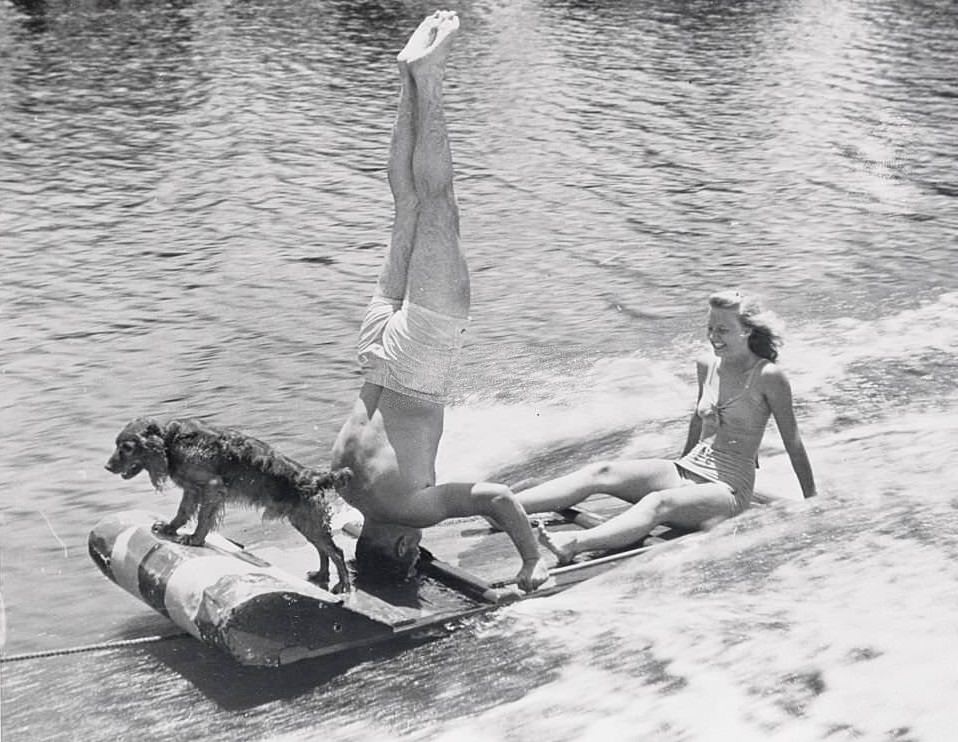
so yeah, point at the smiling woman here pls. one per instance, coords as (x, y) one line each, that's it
(739, 388)
(734, 316)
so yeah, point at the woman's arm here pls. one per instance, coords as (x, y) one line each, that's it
(695, 423)
(778, 392)
(695, 432)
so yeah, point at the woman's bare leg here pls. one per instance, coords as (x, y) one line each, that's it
(691, 506)
(628, 480)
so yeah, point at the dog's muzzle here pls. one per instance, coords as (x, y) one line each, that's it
(114, 466)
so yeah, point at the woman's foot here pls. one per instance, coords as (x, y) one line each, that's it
(563, 545)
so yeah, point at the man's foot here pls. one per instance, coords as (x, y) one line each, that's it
(429, 44)
(421, 38)
(561, 544)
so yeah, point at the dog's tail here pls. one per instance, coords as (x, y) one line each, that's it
(333, 479)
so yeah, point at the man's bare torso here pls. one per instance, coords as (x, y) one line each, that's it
(390, 442)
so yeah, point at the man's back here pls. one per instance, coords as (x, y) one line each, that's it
(390, 442)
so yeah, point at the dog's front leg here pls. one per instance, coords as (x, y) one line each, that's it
(321, 576)
(184, 512)
(211, 505)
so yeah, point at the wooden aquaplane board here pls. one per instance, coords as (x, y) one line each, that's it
(258, 607)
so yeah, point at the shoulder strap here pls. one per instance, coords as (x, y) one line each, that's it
(751, 374)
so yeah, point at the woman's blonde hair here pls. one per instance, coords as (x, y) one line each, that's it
(765, 328)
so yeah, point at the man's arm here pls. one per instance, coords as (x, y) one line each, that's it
(435, 504)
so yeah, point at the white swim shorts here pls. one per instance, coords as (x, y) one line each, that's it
(410, 349)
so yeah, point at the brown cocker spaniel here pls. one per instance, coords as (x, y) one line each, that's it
(214, 466)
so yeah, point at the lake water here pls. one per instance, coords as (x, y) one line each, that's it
(193, 209)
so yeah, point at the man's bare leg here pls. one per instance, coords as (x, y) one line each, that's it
(392, 276)
(438, 277)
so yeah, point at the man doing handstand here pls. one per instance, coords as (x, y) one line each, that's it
(410, 341)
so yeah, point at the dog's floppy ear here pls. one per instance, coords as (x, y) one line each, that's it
(156, 460)
(147, 427)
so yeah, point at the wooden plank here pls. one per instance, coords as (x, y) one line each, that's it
(459, 578)
(473, 547)
(398, 605)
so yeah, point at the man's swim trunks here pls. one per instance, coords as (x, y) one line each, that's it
(410, 349)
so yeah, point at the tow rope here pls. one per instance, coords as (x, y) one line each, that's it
(91, 647)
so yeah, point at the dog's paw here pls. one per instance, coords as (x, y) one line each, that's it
(191, 539)
(163, 528)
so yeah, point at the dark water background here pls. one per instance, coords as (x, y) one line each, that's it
(193, 209)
